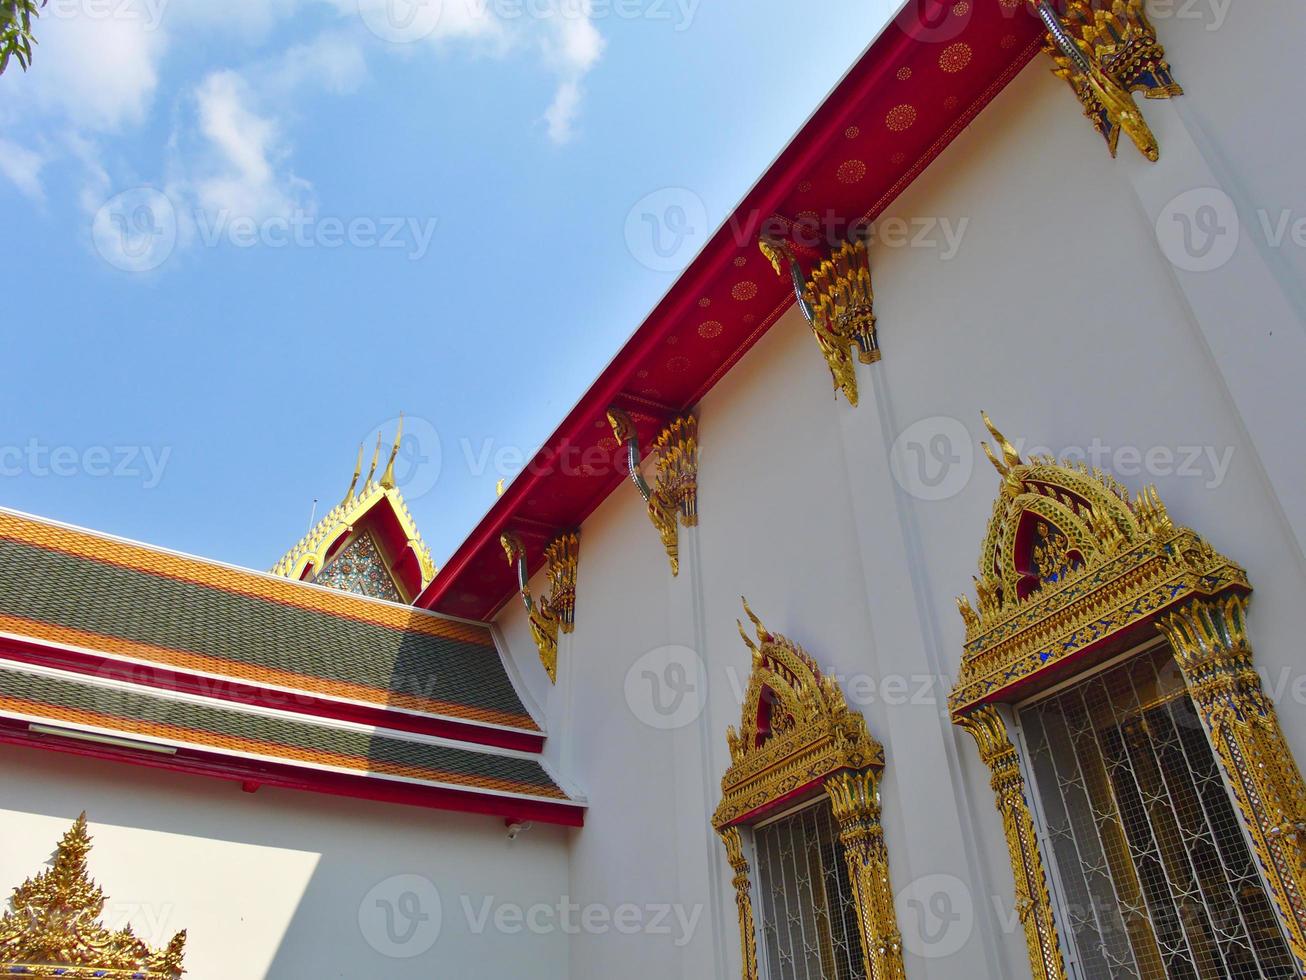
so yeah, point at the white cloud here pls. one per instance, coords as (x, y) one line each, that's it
(574, 47)
(561, 114)
(333, 61)
(98, 72)
(23, 167)
(242, 169)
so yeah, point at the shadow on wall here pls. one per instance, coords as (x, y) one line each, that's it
(285, 885)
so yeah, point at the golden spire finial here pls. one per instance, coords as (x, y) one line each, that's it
(1010, 457)
(376, 455)
(388, 477)
(358, 470)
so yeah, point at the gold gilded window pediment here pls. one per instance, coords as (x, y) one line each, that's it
(1071, 566)
(54, 928)
(797, 736)
(1130, 563)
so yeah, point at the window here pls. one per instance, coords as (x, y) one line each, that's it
(1156, 876)
(808, 910)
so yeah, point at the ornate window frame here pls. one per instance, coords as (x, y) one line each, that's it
(1074, 571)
(797, 739)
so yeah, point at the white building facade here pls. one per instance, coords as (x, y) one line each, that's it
(1087, 773)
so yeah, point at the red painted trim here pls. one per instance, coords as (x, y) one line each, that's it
(903, 70)
(242, 693)
(248, 772)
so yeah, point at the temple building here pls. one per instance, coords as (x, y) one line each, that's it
(985, 399)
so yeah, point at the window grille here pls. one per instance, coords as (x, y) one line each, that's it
(1156, 875)
(808, 912)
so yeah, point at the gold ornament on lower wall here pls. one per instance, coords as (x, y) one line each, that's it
(1073, 570)
(555, 612)
(1107, 52)
(798, 737)
(673, 502)
(54, 928)
(838, 303)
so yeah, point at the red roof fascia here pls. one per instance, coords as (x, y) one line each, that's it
(253, 774)
(911, 93)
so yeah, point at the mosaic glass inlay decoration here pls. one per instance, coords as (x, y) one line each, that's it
(359, 568)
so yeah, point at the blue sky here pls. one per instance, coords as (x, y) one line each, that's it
(240, 237)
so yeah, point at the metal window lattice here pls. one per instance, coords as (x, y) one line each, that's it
(1156, 876)
(808, 912)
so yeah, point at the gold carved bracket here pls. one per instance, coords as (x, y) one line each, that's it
(555, 612)
(838, 302)
(673, 501)
(1106, 50)
(797, 735)
(53, 928)
(1074, 568)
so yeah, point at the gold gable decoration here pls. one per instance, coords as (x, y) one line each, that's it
(310, 552)
(1073, 566)
(1068, 561)
(54, 928)
(1106, 52)
(796, 732)
(675, 498)
(555, 612)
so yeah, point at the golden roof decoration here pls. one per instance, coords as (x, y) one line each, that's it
(312, 550)
(54, 928)
(795, 728)
(1071, 558)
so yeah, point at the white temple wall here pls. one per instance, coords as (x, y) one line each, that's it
(270, 885)
(1062, 316)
